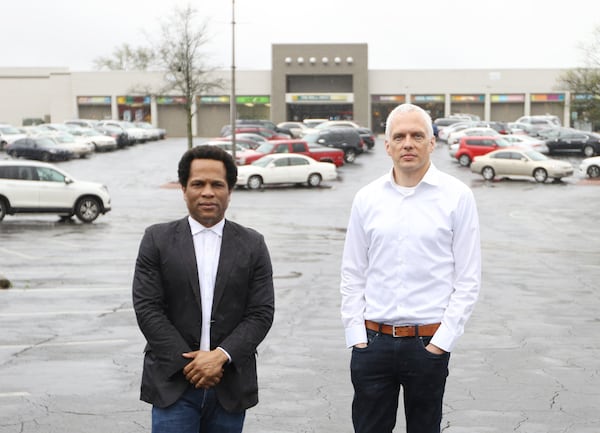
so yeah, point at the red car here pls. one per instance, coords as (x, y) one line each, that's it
(470, 147)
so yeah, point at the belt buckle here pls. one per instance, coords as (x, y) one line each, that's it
(394, 331)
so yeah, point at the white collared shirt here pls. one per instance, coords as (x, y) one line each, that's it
(411, 256)
(207, 245)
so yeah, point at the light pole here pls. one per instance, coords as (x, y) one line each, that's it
(232, 101)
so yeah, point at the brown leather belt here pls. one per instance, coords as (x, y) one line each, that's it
(403, 331)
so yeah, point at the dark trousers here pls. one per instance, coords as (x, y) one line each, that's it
(385, 366)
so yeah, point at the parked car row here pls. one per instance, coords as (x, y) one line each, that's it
(77, 138)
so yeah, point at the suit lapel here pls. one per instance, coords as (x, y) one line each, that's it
(184, 242)
(226, 260)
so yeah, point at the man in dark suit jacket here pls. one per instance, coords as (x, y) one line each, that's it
(202, 381)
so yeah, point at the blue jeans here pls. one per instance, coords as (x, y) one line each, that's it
(196, 411)
(388, 364)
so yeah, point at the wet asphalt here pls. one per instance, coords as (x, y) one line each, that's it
(71, 352)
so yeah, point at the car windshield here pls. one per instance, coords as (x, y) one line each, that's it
(536, 156)
(263, 162)
(265, 148)
(311, 137)
(502, 142)
(44, 141)
(9, 130)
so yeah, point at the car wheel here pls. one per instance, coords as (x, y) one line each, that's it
(314, 180)
(588, 151)
(87, 209)
(593, 171)
(45, 157)
(540, 175)
(464, 160)
(350, 156)
(255, 182)
(3, 208)
(488, 173)
(13, 153)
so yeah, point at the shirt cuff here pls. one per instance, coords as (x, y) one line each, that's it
(356, 334)
(226, 354)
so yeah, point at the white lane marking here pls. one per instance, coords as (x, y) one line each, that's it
(64, 343)
(66, 313)
(16, 253)
(14, 394)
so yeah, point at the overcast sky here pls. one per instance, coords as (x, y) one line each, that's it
(434, 34)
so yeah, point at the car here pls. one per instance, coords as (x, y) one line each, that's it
(294, 128)
(281, 168)
(573, 140)
(526, 141)
(154, 133)
(247, 139)
(312, 122)
(365, 133)
(443, 133)
(80, 149)
(261, 123)
(9, 134)
(344, 138)
(40, 148)
(470, 147)
(134, 134)
(269, 134)
(241, 153)
(116, 132)
(83, 123)
(101, 142)
(540, 119)
(454, 137)
(38, 187)
(590, 167)
(515, 162)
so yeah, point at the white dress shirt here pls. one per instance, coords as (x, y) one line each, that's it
(207, 245)
(411, 256)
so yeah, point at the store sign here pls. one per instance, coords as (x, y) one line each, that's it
(547, 97)
(398, 99)
(245, 99)
(519, 97)
(427, 98)
(170, 100)
(93, 100)
(323, 98)
(133, 100)
(468, 98)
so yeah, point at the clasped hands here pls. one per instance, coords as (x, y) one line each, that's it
(205, 369)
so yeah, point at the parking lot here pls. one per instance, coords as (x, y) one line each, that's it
(71, 352)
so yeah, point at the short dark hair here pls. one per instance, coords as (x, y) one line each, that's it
(207, 151)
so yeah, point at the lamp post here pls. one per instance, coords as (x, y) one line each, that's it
(232, 99)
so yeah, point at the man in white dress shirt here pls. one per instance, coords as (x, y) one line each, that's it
(410, 277)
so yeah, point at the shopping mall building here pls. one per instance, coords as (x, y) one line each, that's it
(305, 81)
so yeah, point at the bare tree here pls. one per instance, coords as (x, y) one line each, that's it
(584, 82)
(126, 58)
(179, 54)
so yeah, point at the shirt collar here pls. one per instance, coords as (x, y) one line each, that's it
(431, 176)
(196, 227)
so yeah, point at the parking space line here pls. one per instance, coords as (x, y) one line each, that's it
(65, 313)
(14, 394)
(16, 253)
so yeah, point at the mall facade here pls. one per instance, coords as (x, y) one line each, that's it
(305, 81)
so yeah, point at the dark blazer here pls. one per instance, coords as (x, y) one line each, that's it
(166, 299)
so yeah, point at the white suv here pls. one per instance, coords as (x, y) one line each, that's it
(38, 187)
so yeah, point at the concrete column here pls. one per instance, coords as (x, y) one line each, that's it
(114, 107)
(487, 107)
(153, 111)
(527, 104)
